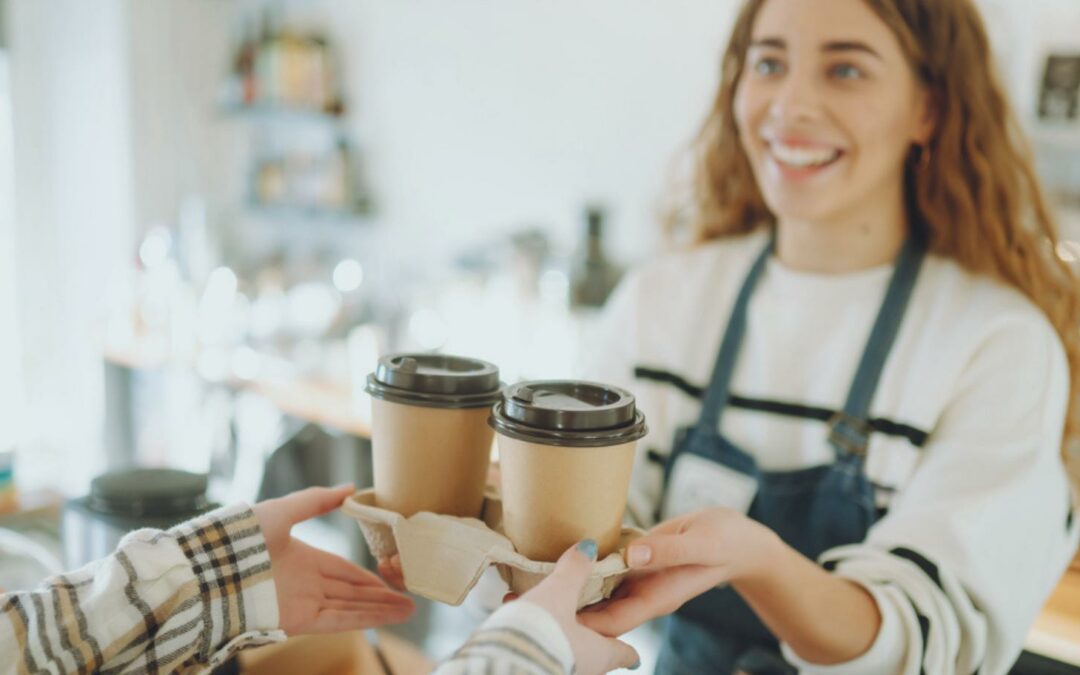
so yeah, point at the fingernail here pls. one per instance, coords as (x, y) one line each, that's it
(588, 547)
(342, 486)
(639, 555)
(637, 664)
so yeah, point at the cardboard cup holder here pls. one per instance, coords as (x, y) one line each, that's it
(442, 557)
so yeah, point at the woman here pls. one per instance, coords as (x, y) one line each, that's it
(871, 481)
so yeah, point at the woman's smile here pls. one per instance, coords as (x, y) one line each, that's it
(797, 159)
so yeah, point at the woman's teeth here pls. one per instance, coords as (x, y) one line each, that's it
(802, 157)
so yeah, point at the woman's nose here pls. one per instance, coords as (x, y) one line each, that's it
(796, 98)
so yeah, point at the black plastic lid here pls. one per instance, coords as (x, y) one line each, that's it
(567, 412)
(435, 380)
(149, 492)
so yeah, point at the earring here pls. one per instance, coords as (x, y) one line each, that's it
(923, 161)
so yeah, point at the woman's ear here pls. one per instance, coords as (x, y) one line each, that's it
(925, 117)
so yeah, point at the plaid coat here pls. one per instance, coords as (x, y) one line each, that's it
(176, 601)
(186, 599)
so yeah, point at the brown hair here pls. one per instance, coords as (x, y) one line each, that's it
(976, 194)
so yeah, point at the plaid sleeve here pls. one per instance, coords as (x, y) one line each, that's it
(181, 600)
(520, 637)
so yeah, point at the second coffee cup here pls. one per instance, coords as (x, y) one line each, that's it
(431, 443)
(566, 450)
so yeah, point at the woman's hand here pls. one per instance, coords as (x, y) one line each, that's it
(391, 572)
(679, 560)
(558, 594)
(318, 592)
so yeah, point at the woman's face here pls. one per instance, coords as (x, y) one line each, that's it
(827, 109)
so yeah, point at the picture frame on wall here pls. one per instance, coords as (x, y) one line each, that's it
(1059, 94)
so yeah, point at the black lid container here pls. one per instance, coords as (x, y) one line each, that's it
(126, 500)
(568, 413)
(435, 381)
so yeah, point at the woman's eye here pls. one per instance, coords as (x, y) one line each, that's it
(845, 71)
(768, 66)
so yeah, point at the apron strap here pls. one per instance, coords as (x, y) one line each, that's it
(849, 429)
(717, 394)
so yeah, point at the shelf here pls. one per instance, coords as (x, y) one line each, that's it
(1056, 136)
(284, 114)
(308, 213)
(330, 404)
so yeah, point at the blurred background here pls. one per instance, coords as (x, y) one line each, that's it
(216, 214)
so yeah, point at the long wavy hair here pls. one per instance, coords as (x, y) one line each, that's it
(973, 189)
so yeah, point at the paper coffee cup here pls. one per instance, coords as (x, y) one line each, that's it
(431, 443)
(566, 450)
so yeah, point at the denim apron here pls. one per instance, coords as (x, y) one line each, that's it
(813, 509)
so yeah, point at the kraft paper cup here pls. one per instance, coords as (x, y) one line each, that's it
(566, 453)
(431, 443)
(430, 459)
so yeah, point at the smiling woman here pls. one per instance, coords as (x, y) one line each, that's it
(859, 485)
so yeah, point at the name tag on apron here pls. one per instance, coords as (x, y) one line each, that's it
(698, 483)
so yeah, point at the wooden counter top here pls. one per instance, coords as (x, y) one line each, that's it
(1056, 633)
(325, 403)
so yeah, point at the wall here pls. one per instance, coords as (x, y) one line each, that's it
(11, 388)
(69, 84)
(472, 116)
(481, 114)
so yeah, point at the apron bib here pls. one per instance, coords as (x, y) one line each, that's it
(812, 510)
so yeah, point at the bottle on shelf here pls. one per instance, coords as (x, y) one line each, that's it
(244, 70)
(593, 276)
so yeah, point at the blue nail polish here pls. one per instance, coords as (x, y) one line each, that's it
(588, 547)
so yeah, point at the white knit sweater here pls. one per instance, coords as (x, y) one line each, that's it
(979, 524)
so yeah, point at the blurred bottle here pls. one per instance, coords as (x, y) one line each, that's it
(244, 69)
(268, 61)
(593, 276)
(8, 499)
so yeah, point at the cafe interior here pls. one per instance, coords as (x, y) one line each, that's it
(216, 216)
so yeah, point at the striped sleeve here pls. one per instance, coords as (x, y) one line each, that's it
(181, 600)
(518, 638)
(975, 543)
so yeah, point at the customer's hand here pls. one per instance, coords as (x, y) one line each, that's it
(558, 594)
(391, 572)
(318, 592)
(679, 560)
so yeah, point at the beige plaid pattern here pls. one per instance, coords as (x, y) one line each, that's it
(178, 601)
(519, 639)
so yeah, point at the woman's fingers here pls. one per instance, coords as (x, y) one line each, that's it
(621, 655)
(619, 616)
(563, 585)
(649, 597)
(335, 567)
(373, 602)
(390, 571)
(657, 551)
(673, 526)
(305, 504)
(341, 590)
(338, 620)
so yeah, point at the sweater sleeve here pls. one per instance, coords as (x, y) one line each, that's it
(181, 600)
(518, 638)
(974, 544)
